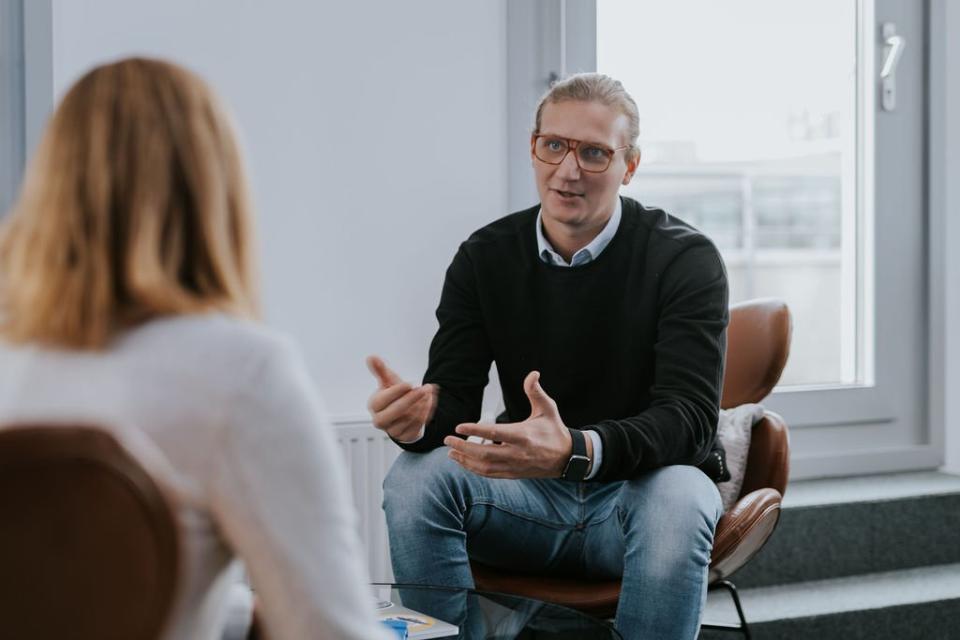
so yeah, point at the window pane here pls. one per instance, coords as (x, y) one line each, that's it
(748, 131)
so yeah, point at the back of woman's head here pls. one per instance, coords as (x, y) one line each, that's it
(134, 206)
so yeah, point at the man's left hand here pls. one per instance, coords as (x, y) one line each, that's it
(538, 447)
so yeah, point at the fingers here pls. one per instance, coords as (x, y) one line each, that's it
(540, 402)
(385, 397)
(495, 432)
(470, 449)
(411, 406)
(490, 471)
(384, 374)
(405, 418)
(409, 432)
(399, 409)
(432, 394)
(531, 385)
(482, 459)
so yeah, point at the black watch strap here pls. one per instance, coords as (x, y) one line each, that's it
(579, 463)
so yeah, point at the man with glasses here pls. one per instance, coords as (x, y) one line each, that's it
(606, 321)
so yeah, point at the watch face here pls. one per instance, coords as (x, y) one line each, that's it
(576, 467)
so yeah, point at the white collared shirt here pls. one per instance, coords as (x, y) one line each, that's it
(588, 253)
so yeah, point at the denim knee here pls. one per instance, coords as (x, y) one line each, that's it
(678, 503)
(419, 483)
(680, 491)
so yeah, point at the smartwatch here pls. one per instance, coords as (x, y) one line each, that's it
(579, 463)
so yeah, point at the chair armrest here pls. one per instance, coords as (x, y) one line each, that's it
(743, 530)
(768, 462)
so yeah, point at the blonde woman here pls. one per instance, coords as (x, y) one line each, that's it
(128, 298)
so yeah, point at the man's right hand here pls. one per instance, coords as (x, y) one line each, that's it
(397, 407)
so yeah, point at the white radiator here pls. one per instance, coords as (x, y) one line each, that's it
(369, 454)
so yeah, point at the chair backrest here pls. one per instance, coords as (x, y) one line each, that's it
(88, 541)
(758, 343)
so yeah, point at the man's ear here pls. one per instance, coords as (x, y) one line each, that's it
(533, 144)
(632, 165)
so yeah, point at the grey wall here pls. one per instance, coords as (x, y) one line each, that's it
(351, 113)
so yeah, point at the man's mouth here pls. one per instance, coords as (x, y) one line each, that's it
(567, 194)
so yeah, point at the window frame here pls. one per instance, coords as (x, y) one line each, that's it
(12, 116)
(26, 86)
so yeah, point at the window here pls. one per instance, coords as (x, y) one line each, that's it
(758, 151)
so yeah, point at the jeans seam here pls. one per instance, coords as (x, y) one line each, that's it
(620, 519)
(522, 516)
(584, 568)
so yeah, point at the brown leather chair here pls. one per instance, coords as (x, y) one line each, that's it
(88, 542)
(758, 342)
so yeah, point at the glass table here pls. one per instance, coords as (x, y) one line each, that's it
(484, 615)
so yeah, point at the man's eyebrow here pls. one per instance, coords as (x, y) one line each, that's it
(590, 142)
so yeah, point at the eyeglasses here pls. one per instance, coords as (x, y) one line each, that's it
(591, 157)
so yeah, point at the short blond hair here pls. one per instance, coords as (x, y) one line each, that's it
(595, 87)
(134, 206)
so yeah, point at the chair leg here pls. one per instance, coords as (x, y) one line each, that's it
(731, 588)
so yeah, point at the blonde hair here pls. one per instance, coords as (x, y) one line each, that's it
(135, 206)
(595, 87)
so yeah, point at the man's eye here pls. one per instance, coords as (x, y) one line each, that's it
(556, 145)
(594, 153)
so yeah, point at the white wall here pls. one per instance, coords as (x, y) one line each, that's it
(350, 112)
(951, 80)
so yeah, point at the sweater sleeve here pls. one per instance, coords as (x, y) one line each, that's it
(460, 355)
(281, 497)
(679, 425)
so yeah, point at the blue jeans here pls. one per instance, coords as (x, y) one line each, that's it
(655, 531)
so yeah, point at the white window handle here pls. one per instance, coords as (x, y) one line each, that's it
(892, 50)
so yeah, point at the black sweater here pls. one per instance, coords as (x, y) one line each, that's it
(630, 345)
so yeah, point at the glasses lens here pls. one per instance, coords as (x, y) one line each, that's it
(551, 150)
(593, 158)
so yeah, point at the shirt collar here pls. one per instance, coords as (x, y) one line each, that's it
(587, 254)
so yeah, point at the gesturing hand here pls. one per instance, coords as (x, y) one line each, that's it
(397, 407)
(538, 447)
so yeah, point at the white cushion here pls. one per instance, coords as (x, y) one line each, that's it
(734, 428)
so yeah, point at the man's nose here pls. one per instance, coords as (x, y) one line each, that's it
(569, 169)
